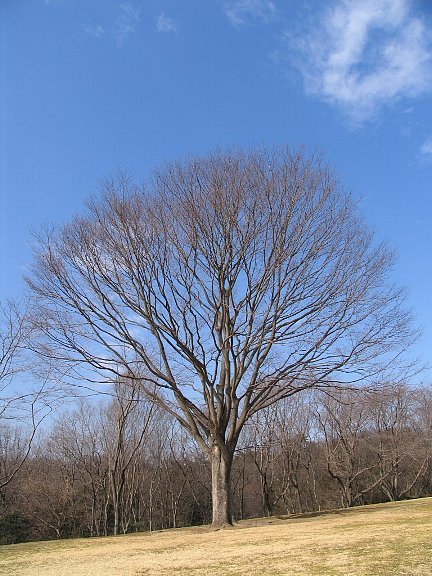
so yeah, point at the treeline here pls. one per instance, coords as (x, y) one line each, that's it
(122, 465)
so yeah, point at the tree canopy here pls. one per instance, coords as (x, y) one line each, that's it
(227, 283)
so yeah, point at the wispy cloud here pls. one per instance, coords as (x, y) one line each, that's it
(123, 26)
(166, 24)
(426, 149)
(240, 12)
(365, 54)
(126, 23)
(96, 31)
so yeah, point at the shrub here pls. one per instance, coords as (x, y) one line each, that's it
(14, 528)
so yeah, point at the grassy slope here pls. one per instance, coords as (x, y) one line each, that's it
(386, 540)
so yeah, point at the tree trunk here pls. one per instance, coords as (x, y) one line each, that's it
(221, 466)
(116, 509)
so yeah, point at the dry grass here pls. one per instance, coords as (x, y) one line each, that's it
(385, 540)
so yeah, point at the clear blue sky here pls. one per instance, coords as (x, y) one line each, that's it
(89, 87)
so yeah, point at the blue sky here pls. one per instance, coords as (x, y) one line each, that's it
(92, 87)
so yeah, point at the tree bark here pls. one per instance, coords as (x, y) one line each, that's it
(221, 467)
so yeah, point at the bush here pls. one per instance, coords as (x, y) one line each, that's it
(14, 528)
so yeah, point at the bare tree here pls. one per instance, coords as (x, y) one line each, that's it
(76, 438)
(127, 421)
(402, 439)
(344, 420)
(278, 439)
(13, 332)
(232, 281)
(22, 407)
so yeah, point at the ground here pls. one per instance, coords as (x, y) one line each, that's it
(380, 540)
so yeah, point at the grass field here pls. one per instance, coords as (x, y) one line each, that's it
(386, 540)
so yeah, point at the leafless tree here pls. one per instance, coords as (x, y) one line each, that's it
(344, 420)
(402, 439)
(23, 407)
(232, 281)
(125, 427)
(13, 333)
(76, 437)
(278, 439)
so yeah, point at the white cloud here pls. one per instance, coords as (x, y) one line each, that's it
(241, 12)
(96, 31)
(366, 54)
(426, 149)
(165, 24)
(126, 23)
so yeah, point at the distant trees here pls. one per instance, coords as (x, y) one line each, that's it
(403, 448)
(235, 281)
(108, 468)
(306, 453)
(278, 440)
(337, 452)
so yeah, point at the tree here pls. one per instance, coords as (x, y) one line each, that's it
(77, 437)
(344, 420)
(232, 281)
(22, 408)
(279, 440)
(126, 423)
(402, 439)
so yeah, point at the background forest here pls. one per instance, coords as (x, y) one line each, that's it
(121, 465)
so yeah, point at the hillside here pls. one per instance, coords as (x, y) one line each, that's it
(387, 540)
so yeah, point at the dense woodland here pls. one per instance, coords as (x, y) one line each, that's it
(122, 465)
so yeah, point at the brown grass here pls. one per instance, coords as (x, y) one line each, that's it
(386, 540)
